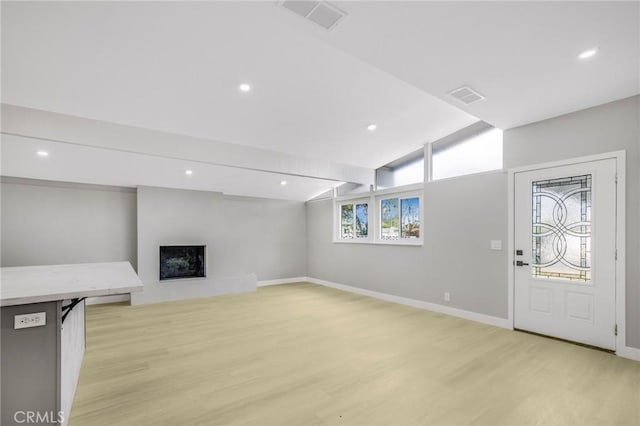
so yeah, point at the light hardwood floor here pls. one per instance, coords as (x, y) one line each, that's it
(302, 354)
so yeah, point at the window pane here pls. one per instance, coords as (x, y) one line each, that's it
(346, 221)
(409, 173)
(561, 228)
(410, 208)
(405, 170)
(480, 153)
(389, 229)
(362, 220)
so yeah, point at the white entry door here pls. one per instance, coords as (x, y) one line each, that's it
(565, 242)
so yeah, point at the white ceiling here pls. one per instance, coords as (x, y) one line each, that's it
(72, 163)
(521, 55)
(175, 67)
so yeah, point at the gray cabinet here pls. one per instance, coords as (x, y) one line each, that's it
(40, 365)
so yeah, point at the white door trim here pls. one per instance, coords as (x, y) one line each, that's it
(620, 157)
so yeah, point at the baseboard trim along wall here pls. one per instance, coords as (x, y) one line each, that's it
(624, 352)
(420, 304)
(265, 283)
(629, 353)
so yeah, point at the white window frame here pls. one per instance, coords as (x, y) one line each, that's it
(373, 199)
(338, 220)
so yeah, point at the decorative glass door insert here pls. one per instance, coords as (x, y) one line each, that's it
(561, 233)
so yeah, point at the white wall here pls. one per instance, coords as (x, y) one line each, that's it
(264, 236)
(47, 223)
(461, 217)
(246, 239)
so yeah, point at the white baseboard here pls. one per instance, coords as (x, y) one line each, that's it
(116, 298)
(283, 281)
(629, 353)
(461, 313)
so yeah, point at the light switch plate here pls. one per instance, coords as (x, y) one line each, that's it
(496, 244)
(35, 319)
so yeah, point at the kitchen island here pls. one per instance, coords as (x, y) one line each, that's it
(43, 334)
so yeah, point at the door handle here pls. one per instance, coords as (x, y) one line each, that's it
(521, 263)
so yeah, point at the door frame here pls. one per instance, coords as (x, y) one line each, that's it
(620, 285)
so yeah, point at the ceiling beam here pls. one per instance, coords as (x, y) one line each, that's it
(62, 128)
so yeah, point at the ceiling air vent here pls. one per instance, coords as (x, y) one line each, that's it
(318, 12)
(466, 95)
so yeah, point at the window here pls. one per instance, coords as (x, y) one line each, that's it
(354, 221)
(410, 214)
(389, 219)
(389, 215)
(399, 218)
(385, 217)
(409, 173)
(406, 170)
(477, 148)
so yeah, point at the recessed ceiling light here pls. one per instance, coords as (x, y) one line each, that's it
(589, 53)
(372, 127)
(283, 182)
(42, 154)
(244, 87)
(188, 172)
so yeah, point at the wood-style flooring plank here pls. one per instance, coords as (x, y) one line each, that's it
(302, 354)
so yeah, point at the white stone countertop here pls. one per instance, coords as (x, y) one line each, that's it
(23, 285)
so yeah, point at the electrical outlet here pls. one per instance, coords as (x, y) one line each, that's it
(36, 319)
(447, 296)
(496, 244)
